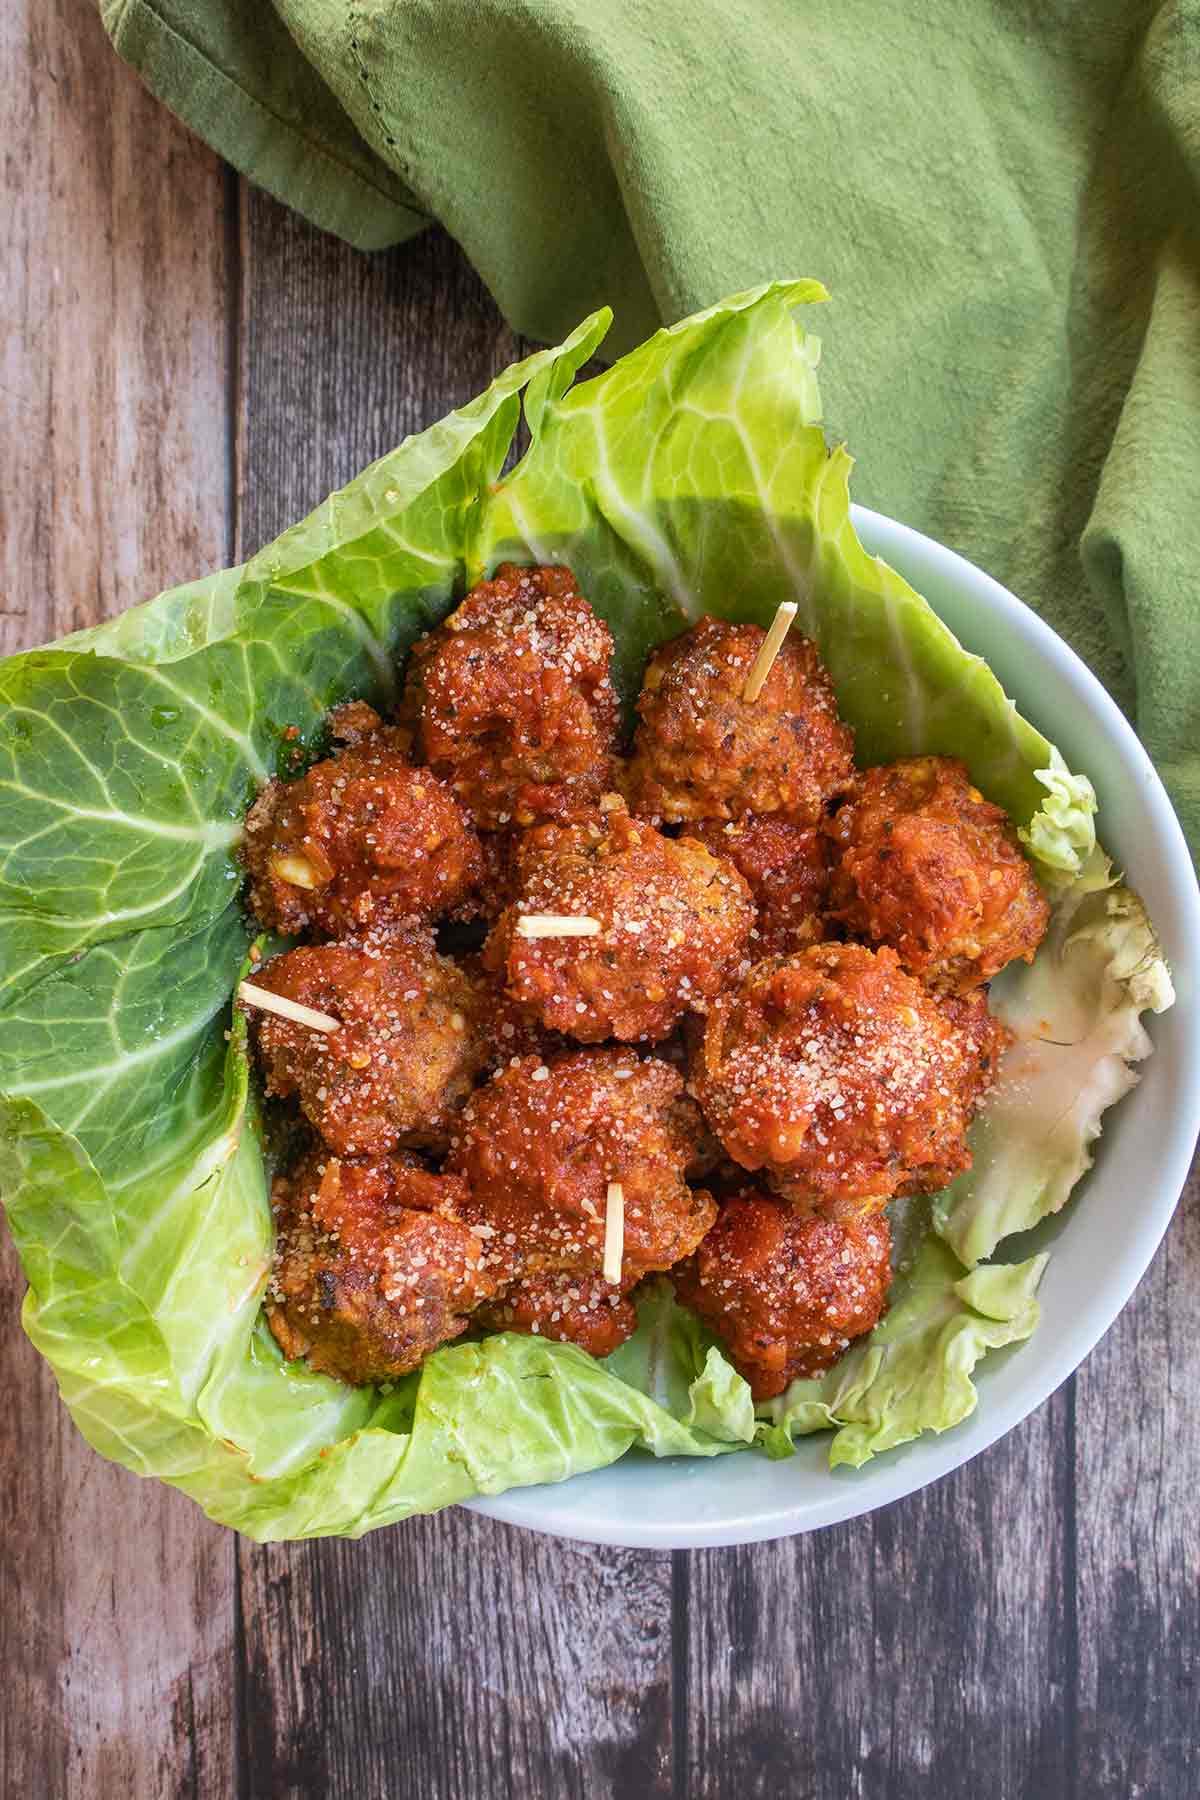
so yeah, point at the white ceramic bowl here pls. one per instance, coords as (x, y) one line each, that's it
(1103, 1240)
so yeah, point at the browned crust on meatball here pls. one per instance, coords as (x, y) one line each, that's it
(362, 841)
(787, 1292)
(702, 752)
(508, 1029)
(511, 699)
(405, 1057)
(786, 867)
(500, 852)
(930, 867)
(983, 1040)
(842, 1077)
(370, 1274)
(539, 1144)
(674, 923)
(569, 1308)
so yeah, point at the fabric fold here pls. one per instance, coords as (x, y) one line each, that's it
(1001, 200)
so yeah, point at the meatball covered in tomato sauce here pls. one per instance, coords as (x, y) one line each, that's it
(498, 881)
(511, 699)
(842, 1077)
(508, 1029)
(671, 923)
(703, 752)
(570, 1308)
(930, 867)
(983, 1041)
(406, 1052)
(370, 1275)
(363, 841)
(787, 1291)
(539, 1145)
(786, 867)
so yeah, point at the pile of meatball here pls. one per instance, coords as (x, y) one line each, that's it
(769, 1020)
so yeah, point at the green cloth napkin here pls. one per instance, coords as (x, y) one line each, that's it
(1002, 195)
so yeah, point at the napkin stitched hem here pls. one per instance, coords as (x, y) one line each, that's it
(263, 146)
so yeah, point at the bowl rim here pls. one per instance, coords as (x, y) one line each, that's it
(891, 1478)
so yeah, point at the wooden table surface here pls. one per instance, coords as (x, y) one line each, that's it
(187, 368)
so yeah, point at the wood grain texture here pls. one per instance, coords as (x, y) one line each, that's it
(1137, 1512)
(923, 1650)
(343, 354)
(113, 318)
(449, 1657)
(452, 1657)
(116, 1597)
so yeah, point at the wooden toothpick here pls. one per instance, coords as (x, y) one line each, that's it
(771, 646)
(266, 1001)
(551, 925)
(614, 1231)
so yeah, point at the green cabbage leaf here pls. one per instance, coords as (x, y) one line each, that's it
(913, 1372)
(691, 476)
(1075, 1014)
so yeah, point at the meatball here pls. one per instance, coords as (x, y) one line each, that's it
(673, 923)
(498, 881)
(787, 1291)
(509, 1031)
(984, 1040)
(511, 699)
(363, 841)
(702, 752)
(540, 1143)
(571, 1308)
(786, 868)
(369, 1274)
(935, 870)
(842, 1077)
(410, 1045)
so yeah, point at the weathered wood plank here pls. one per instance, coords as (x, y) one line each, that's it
(448, 1657)
(924, 1650)
(1136, 1471)
(116, 1598)
(113, 364)
(343, 354)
